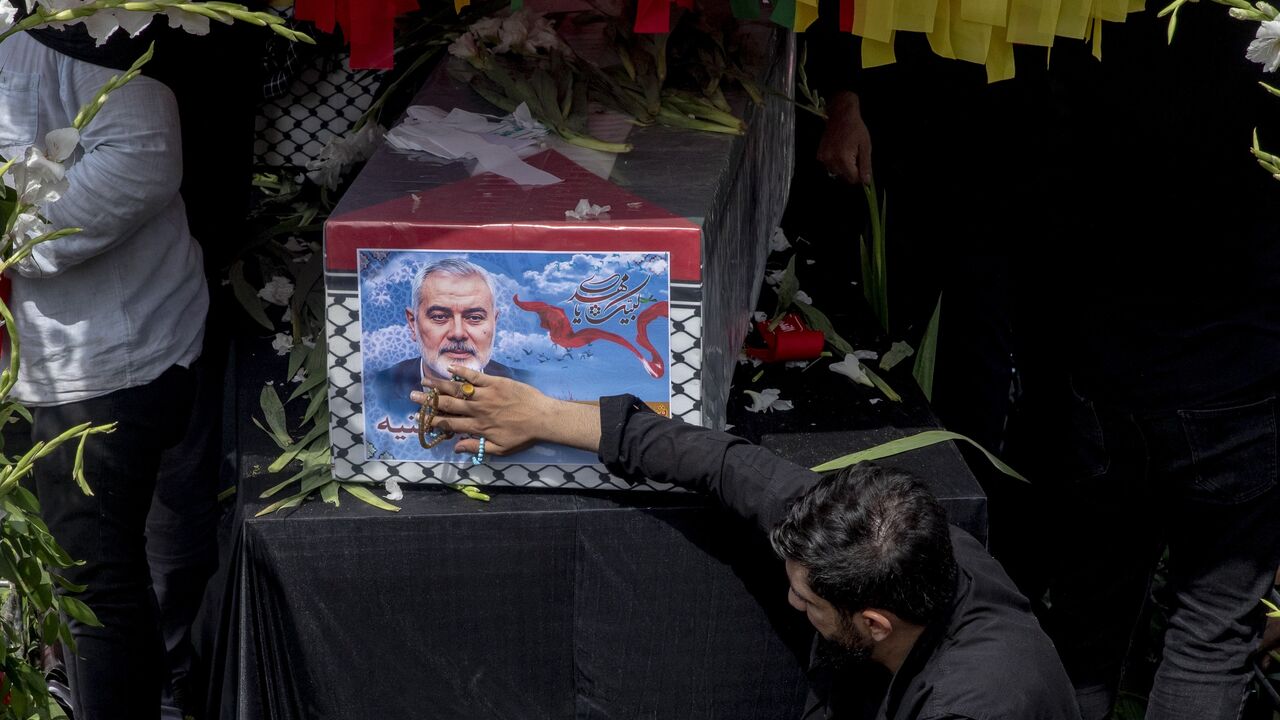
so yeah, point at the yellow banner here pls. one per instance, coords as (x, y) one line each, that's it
(876, 53)
(873, 19)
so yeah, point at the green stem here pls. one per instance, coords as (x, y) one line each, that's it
(592, 143)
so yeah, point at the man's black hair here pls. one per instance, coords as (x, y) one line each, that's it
(872, 537)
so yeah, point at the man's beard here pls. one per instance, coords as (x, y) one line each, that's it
(849, 650)
(443, 361)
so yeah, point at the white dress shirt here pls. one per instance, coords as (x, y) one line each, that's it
(117, 304)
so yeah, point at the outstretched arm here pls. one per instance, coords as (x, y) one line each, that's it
(632, 441)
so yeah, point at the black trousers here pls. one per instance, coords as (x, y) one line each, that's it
(182, 528)
(116, 669)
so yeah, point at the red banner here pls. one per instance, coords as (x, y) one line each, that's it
(369, 26)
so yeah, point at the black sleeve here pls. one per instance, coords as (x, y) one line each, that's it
(746, 479)
(834, 58)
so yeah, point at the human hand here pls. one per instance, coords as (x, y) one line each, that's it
(505, 412)
(845, 147)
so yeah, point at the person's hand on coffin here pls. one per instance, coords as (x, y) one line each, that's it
(508, 414)
(845, 147)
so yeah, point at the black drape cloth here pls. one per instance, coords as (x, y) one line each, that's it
(535, 605)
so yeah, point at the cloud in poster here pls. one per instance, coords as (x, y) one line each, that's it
(392, 285)
(563, 277)
(513, 344)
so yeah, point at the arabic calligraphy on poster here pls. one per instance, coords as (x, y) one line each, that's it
(577, 326)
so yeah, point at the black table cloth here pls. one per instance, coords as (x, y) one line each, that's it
(538, 604)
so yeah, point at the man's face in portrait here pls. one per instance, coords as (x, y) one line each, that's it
(454, 322)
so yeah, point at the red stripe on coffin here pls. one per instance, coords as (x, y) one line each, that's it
(460, 216)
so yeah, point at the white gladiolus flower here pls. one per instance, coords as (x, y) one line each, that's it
(343, 152)
(778, 241)
(464, 47)
(852, 368)
(38, 179)
(61, 143)
(767, 400)
(104, 23)
(28, 225)
(1265, 49)
(543, 35)
(487, 29)
(803, 297)
(514, 33)
(188, 22)
(8, 13)
(282, 343)
(585, 210)
(277, 291)
(392, 486)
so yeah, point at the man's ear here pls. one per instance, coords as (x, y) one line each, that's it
(879, 625)
(409, 319)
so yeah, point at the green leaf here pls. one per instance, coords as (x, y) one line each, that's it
(362, 493)
(315, 482)
(297, 354)
(912, 442)
(875, 285)
(64, 632)
(25, 499)
(49, 628)
(292, 451)
(472, 492)
(312, 382)
(68, 585)
(248, 298)
(77, 469)
(305, 280)
(301, 474)
(881, 385)
(79, 611)
(317, 359)
(273, 411)
(788, 287)
(225, 494)
(291, 501)
(926, 359)
(329, 493)
(318, 400)
(819, 321)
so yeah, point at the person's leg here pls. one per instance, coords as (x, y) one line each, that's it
(1108, 537)
(182, 526)
(181, 531)
(1223, 549)
(116, 669)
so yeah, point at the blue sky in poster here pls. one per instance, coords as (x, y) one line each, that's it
(579, 373)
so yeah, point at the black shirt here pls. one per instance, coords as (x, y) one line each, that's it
(1162, 270)
(1142, 231)
(989, 660)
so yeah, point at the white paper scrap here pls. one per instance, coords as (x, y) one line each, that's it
(495, 144)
